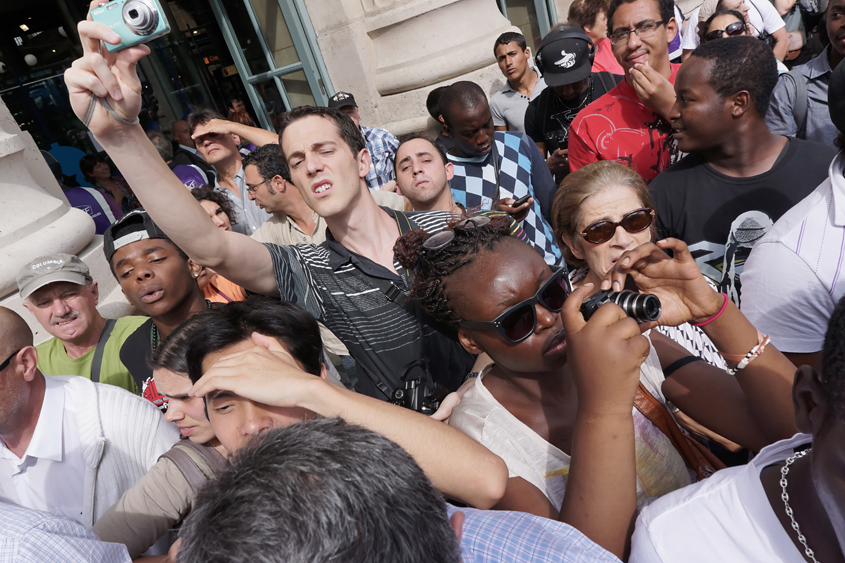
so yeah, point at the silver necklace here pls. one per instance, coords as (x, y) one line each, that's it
(785, 496)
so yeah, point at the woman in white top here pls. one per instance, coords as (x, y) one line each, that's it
(505, 301)
(761, 16)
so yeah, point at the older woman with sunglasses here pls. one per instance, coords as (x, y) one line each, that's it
(505, 301)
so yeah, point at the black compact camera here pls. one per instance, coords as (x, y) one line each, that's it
(641, 307)
(420, 393)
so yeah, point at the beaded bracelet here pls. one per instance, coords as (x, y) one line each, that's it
(717, 315)
(752, 355)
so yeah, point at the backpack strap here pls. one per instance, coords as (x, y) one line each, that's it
(800, 108)
(97, 364)
(189, 468)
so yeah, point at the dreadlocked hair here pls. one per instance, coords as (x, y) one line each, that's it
(432, 267)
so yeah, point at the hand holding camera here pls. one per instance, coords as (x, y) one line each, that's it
(684, 294)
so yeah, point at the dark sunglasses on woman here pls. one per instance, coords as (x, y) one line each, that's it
(634, 222)
(734, 29)
(518, 322)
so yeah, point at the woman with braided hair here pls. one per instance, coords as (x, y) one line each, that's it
(506, 301)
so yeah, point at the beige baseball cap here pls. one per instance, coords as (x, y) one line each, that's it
(49, 269)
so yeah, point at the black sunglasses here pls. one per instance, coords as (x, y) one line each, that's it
(634, 222)
(732, 30)
(9, 359)
(519, 321)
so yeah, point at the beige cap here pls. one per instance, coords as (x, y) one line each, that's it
(49, 269)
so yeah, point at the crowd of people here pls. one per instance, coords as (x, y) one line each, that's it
(597, 318)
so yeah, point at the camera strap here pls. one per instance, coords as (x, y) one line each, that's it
(105, 103)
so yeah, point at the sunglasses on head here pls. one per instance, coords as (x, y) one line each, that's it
(634, 222)
(446, 236)
(519, 321)
(732, 30)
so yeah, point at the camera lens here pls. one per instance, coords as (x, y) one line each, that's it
(140, 16)
(639, 306)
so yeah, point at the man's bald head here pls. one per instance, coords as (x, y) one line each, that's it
(14, 333)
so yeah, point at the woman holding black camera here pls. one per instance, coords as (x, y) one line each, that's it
(506, 301)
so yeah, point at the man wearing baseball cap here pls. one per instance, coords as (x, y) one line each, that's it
(158, 280)
(381, 145)
(62, 296)
(566, 58)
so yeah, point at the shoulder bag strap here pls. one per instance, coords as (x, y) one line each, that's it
(695, 456)
(800, 109)
(496, 166)
(101, 346)
(187, 466)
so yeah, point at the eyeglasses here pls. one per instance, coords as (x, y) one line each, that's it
(644, 31)
(732, 30)
(634, 222)
(8, 360)
(251, 189)
(519, 321)
(446, 236)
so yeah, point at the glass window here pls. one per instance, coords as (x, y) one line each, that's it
(274, 105)
(245, 34)
(523, 14)
(276, 33)
(298, 90)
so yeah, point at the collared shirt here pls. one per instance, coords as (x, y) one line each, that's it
(793, 278)
(498, 536)
(30, 536)
(508, 106)
(781, 118)
(50, 474)
(619, 127)
(382, 146)
(522, 170)
(190, 149)
(337, 286)
(251, 216)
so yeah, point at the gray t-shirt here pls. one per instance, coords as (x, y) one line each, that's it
(508, 106)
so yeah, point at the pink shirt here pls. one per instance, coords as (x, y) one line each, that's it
(604, 60)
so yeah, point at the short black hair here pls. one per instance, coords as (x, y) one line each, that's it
(210, 193)
(268, 159)
(464, 93)
(508, 37)
(666, 8)
(410, 137)
(833, 363)
(741, 63)
(322, 490)
(201, 117)
(432, 102)
(87, 164)
(294, 326)
(347, 129)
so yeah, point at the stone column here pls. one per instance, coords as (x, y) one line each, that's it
(391, 53)
(36, 219)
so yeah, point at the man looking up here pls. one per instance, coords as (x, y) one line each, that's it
(522, 85)
(69, 446)
(62, 296)
(566, 57)
(630, 123)
(423, 172)
(351, 282)
(220, 149)
(380, 143)
(738, 178)
(497, 168)
(159, 281)
(807, 117)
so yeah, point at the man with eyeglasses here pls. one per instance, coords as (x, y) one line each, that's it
(218, 139)
(630, 123)
(69, 446)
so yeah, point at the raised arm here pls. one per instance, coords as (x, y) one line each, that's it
(113, 77)
(766, 382)
(255, 135)
(458, 466)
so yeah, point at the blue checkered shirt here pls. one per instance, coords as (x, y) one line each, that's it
(496, 536)
(32, 536)
(382, 146)
(522, 170)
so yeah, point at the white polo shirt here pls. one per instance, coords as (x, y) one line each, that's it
(793, 278)
(51, 474)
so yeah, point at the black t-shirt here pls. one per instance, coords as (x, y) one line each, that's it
(721, 217)
(548, 118)
(134, 354)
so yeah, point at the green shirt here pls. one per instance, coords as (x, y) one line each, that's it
(53, 360)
